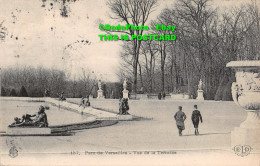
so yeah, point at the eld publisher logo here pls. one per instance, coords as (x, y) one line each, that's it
(13, 152)
(242, 150)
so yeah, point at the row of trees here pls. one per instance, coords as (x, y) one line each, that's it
(28, 81)
(207, 39)
(21, 93)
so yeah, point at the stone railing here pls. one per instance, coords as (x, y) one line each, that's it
(180, 96)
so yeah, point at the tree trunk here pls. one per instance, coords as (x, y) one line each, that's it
(135, 76)
(140, 74)
(163, 57)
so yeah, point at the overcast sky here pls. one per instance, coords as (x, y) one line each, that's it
(38, 36)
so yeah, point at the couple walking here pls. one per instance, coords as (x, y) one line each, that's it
(180, 118)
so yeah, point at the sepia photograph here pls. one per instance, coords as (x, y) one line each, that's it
(129, 82)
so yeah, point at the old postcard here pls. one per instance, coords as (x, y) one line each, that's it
(130, 82)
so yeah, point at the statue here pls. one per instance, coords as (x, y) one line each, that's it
(84, 102)
(87, 102)
(125, 92)
(124, 84)
(99, 85)
(200, 91)
(39, 121)
(47, 92)
(200, 85)
(100, 91)
(123, 110)
(61, 96)
(112, 95)
(123, 106)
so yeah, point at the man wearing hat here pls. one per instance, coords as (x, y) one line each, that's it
(180, 118)
(196, 118)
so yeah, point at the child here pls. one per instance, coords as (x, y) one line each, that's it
(196, 118)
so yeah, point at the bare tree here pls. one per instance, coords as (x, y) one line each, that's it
(136, 13)
(87, 82)
(149, 50)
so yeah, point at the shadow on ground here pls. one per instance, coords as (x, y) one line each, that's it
(204, 134)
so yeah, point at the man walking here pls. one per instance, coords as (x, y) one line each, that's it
(196, 118)
(180, 118)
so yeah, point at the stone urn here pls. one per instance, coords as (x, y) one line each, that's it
(246, 94)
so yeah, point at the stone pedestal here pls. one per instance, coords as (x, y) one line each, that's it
(125, 94)
(249, 137)
(200, 95)
(248, 133)
(124, 117)
(28, 131)
(246, 93)
(100, 94)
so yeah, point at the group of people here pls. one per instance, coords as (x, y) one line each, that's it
(40, 119)
(180, 117)
(161, 95)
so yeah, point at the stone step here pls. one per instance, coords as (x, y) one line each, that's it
(28, 131)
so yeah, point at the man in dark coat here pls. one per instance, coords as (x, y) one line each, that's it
(196, 118)
(160, 96)
(180, 118)
(163, 95)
